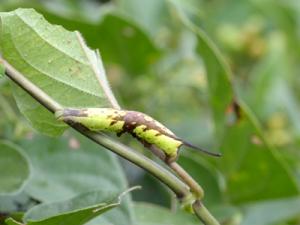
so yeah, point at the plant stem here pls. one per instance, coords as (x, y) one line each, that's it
(30, 88)
(180, 172)
(185, 177)
(162, 174)
(177, 186)
(203, 214)
(159, 172)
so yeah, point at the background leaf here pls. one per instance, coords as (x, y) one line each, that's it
(68, 166)
(237, 142)
(87, 167)
(203, 173)
(14, 167)
(76, 211)
(263, 212)
(126, 36)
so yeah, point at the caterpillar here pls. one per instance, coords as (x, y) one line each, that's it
(139, 125)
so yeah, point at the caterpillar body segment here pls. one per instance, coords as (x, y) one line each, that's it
(139, 125)
(94, 119)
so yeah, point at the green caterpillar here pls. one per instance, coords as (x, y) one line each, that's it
(139, 125)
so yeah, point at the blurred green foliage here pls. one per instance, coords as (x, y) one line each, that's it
(158, 64)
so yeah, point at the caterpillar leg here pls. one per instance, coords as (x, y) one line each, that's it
(158, 152)
(120, 133)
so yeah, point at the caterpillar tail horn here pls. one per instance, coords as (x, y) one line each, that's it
(216, 154)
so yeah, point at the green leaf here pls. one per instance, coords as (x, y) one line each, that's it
(67, 166)
(55, 60)
(220, 90)
(70, 165)
(271, 212)
(249, 161)
(148, 214)
(76, 211)
(119, 37)
(15, 202)
(219, 78)
(238, 144)
(239, 147)
(14, 167)
(116, 36)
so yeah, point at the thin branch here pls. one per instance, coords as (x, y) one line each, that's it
(30, 88)
(203, 214)
(177, 186)
(196, 189)
(162, 174)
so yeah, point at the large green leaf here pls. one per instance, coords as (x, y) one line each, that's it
(76, 211)
(67, 166)
(240, 149)
(218, 76)
(54, 59)
(115, 35)
(243, 157)
(248, 161)
(14, 203)
(273, 99)
(124, 37)
(271, 212)
(220, 87)
(14, 167)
